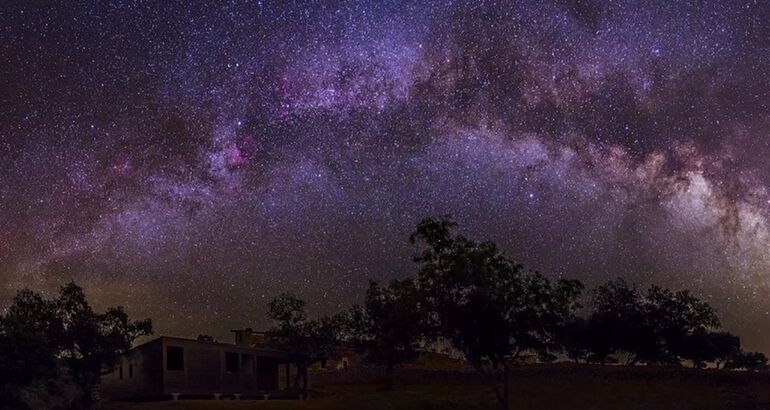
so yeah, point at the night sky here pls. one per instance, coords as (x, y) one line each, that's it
(190, 161)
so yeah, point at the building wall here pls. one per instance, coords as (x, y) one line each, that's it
(141, 376)
(267, 373)
(204, 371)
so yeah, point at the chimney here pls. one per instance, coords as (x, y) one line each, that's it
(243, 336)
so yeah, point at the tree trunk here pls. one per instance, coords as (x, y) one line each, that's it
(388, 376)
(84, 382)
(304, 382)
(506, 386)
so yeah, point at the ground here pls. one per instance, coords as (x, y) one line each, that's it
(533, 387)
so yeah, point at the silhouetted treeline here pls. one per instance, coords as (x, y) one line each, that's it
(475, 298)
(656, 327)
(466, 294)
(52, 352)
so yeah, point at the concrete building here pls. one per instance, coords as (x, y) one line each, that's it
(169, 366)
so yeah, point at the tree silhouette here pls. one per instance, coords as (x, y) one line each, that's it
(25, 357)
(65, 329)
(574, 340)
(305, 341)
(679, 320)
(619, 322)
(701, 347)
(749, 361)
(726, 345)
(484, 305)
(588, 340)
(660, 326)
(390, 325)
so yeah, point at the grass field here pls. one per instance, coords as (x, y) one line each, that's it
(541, 387)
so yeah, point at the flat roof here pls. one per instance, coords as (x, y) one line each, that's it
(263, 351)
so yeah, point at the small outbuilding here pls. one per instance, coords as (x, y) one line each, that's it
(169, 367)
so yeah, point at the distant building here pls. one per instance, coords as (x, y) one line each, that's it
(169, 366)
(345, 357)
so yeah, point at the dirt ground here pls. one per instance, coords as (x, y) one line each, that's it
(532, 387)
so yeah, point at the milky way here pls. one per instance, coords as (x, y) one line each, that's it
(190, 161)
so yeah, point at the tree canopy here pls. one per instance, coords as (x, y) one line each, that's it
(390, 326)
(484, 304)
(305, 341)
(37, 334)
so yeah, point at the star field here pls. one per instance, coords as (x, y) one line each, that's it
(190, 160)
